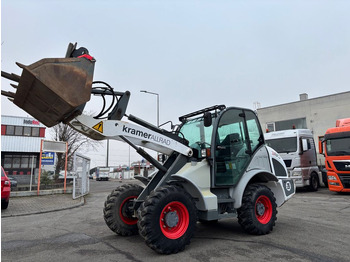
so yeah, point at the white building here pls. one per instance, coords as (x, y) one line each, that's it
(20, 144)
(317, 114)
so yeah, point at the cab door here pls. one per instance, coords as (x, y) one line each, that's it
(237, 136)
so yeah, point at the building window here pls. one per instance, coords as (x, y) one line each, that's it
(23, 131)
(298, 123)
(270, 127)
(18, 130)
(20, 161)
(8, 161)
(10, 130)
(27, 131)
(24, 162)
(35, 131)
(16, 162)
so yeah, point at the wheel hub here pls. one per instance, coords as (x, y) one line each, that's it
(260, 208)
(171, 219)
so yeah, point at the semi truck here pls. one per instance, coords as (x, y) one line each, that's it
(298, 150)
(335, 146)
(218, 164)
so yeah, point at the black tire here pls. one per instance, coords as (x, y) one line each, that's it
(4, 204)
(258, 212)
(314, 184)
(167, 219)
(118, 217)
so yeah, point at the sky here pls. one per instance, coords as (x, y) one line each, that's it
(194, 54)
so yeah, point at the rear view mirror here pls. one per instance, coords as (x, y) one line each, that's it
(304, 145)
(207, 119)
(320, 145)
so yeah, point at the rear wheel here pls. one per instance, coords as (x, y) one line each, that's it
(257, 214)
(167, 219)
(313, 182)
(118, 212)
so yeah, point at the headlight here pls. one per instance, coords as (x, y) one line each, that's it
(334, 184)
(296, 173)
(332, 178)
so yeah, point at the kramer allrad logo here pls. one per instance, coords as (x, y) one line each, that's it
(146, 135)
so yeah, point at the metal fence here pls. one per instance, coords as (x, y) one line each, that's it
(81, 183)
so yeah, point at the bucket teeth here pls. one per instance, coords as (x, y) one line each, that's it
(11, 76)
(8, 94)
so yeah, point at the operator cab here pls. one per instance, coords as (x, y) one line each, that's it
(226, 137)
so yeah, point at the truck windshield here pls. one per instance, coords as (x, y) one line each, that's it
(196, 133)
(338, 146)
(283, 145)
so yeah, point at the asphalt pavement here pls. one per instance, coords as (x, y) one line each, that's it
(28, 203)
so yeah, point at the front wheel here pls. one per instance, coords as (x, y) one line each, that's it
(313, 182)
(257, 214)
(167, 219)
(118, 212)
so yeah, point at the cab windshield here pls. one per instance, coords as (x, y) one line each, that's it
(283, 145)
(196, 133)
(338, 146)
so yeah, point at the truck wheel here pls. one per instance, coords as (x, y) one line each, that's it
(313, 182)
(167, 219)
(257, 214)
(118, 213)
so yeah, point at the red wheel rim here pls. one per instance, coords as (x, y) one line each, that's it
(174, 220)
(263, 209)
(123, 212)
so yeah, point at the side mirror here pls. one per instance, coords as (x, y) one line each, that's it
(320, 147)
(304, 145)
(207, 119)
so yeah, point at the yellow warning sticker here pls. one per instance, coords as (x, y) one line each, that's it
(98, 127)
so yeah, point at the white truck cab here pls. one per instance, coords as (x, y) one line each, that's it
(102, 173)
(297, 148)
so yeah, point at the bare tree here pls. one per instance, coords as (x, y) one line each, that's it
(76, 141)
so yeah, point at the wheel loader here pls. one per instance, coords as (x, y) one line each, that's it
(218, 165)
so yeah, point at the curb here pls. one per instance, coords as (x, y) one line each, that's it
(41, 192)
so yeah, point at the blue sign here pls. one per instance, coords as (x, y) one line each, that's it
(48, 158)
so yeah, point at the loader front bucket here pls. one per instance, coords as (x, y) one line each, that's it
(54, 90)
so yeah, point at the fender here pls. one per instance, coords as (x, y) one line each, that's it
(197, 183)
(255, 176)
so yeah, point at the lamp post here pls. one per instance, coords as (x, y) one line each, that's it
(144, 91)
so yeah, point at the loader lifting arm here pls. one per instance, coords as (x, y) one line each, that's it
(55, 90)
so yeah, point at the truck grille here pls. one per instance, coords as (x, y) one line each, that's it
(345, 180)
(342, 165)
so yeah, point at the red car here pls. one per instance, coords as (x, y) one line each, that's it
(5, 190)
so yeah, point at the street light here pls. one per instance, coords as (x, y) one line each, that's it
(144, 91)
